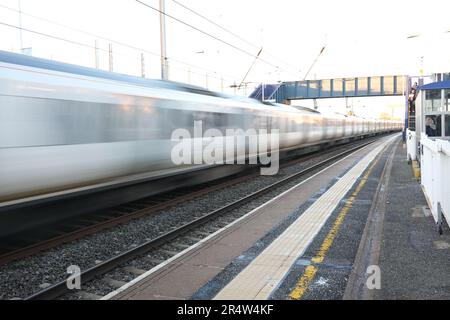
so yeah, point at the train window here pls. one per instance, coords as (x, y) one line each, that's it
(447, 125)
(337, 87)
(201, 91)
(362, 85)
(433, 125)
(446, 99)
(306, 109)
(400, 84)
(433, 100)
(375, 85)
(326, 88)
(314, 87)
(350, 86)
(388, 85)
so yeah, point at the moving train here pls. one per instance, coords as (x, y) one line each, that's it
(64, 127)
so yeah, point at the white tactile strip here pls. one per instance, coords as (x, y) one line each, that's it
(267, 270)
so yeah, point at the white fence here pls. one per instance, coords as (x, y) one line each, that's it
(435, 173)
(411, 145)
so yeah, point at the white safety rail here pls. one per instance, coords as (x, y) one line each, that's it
(411, 145)
(435, 173)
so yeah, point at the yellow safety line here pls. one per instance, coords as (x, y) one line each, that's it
(416, 169)
(311, 270)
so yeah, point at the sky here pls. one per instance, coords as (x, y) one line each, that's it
(361, 38)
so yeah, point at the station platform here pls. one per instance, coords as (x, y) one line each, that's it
(359, 229)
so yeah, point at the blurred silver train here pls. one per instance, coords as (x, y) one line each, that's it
(64, 127)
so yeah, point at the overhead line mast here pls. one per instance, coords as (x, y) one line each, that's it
(162, 28)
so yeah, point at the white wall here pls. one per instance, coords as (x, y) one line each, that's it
(435, 173)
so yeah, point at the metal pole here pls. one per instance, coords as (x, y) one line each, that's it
(20, 27)
(97, 61)
(142, 65)
(162, 28)
(262, 91)
(421, 66)
(346, 105)
(406, 87)
(110, 57)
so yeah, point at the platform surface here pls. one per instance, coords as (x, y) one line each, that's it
(355, 231)
(414, 259)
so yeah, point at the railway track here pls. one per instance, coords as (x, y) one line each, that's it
(113, 217)
(176, 238)
(33, 241)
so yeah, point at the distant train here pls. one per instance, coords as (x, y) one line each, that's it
(64, 127)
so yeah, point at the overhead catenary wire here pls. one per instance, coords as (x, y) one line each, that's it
(211, 36)
(230, 32)
(93, 35)
(79, 30)
(51, 36)
(174, 59)
(211, 73)
(60, 38)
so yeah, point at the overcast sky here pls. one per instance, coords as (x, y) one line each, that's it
(362, 38)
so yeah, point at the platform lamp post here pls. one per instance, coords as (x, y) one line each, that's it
(413, 36)
(407, 82)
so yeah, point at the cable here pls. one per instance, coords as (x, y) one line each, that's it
(314, 62)
(62, 39)
(99, 37)
(104, 50)
(208, 34)
(213, 75)
(51, 36)
(80, 31)
(214, 23)
(248, 71)
(230, 32)
(210, 75)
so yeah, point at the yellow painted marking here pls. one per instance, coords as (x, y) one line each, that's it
(310, 271)
(416, 169)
